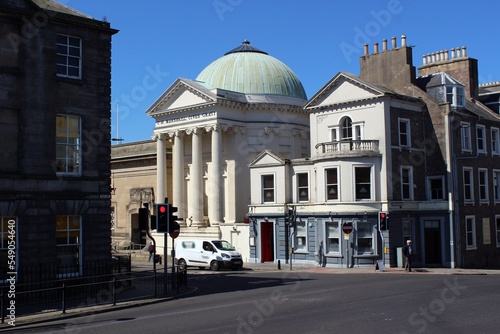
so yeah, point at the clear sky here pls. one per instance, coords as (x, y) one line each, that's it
(162, 40)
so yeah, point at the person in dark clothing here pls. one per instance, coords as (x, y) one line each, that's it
(408, 253)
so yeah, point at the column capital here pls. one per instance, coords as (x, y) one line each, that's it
(195, 131)
(159, 136)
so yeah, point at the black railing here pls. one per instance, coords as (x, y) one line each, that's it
(80, 292)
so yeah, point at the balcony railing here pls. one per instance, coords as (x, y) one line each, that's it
(348, 147)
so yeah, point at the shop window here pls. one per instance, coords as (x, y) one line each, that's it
(364, 238)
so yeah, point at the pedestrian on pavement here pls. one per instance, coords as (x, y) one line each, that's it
(151, 250)
(408, 253)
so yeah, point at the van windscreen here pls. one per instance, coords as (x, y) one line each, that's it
(223, 245)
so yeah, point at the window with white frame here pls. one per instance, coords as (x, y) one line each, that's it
(468, 185)
(68, 144)
(470, 231)
(495, 141)
(481, 138)
(466, 137)
(483, 184)
(332, 238)
(8, 236)
(496, 185)
(303, 187)
(268, 188)
(69, 56)
(364, 240)
(497, 228)
(332, 185)
(406, 182)
(435, 188)
(404, 132)
(346, 128)
(334, 134)
(68, 238)
(300, 245)
(455, 95)
(362, 179)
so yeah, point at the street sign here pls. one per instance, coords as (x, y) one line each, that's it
(347, 228)
(174, 230)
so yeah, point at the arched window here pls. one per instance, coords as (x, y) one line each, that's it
(346, 128)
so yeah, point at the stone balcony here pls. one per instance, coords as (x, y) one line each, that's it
(347, 148)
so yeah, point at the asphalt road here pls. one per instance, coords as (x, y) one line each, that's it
(305, 302)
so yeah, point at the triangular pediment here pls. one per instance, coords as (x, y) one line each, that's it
(183, 94)
(341, 89)
(267, 158)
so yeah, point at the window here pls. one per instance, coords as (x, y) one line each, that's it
(268, 188)
(365, 238)
(404, 132)
(406, 183)
(455, 95)
(7, 224)
(497, 227)
(465, 135)
(334, 134)
(68, 244)
(481, 138)
(406, 231)
(362, 181)
(468, 185)
(300, 245)
(68, 150)
(470, 230)
(69, 56)
(333, 238)
(332, 186)
(346, 128)
(496, 185)
(483, 184)
(303, 187)
(495, 141)
(435, 187)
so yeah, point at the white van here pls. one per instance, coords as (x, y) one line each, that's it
(215, 254)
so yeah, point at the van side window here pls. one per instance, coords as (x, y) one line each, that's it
(207, 246)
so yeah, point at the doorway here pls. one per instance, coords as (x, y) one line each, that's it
(432, 239)
(267, 241)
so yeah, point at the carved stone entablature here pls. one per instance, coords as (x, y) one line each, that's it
(141, 195)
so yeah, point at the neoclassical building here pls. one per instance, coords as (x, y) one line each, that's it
(207, 132)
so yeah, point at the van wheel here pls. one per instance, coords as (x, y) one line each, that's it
(182, 264)
(214, 265)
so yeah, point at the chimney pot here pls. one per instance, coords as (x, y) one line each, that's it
(393, 42)
(424, 59)
(446, 55)
(365, 47)
(403, 40)
(452, 53)
(384, 44)
(464, 51)
(375, 48)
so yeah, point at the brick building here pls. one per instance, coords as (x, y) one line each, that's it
(55, 84)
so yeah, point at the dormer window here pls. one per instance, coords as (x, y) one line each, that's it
(455, 95)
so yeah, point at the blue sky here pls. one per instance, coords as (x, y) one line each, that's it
(162, 40)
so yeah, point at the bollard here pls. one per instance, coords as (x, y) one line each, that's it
(279, 265)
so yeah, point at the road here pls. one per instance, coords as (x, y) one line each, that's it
(308, 302)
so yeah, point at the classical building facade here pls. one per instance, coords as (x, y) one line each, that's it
(420, 148)
(55, 147)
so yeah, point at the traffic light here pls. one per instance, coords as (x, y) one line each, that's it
(143, 219)
(172, 218)
(162, 217)
(382, 221)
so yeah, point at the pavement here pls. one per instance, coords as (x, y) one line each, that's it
(141, 263)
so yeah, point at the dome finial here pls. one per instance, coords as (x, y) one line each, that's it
(246, 41)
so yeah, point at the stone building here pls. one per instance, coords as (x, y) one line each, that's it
(420, 148)
(55, 79)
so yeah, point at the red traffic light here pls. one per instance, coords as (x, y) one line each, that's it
(163, 209)
(383, 215)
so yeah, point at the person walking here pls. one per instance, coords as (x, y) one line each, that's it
(151, 250)
(408, 253)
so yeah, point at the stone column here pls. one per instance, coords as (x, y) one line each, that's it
(215, 177)
(161, 167)
(178, 175)
(196, 189)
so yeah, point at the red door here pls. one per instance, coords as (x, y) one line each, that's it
(266, 241)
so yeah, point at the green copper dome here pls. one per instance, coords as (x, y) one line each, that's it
(249, 70)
